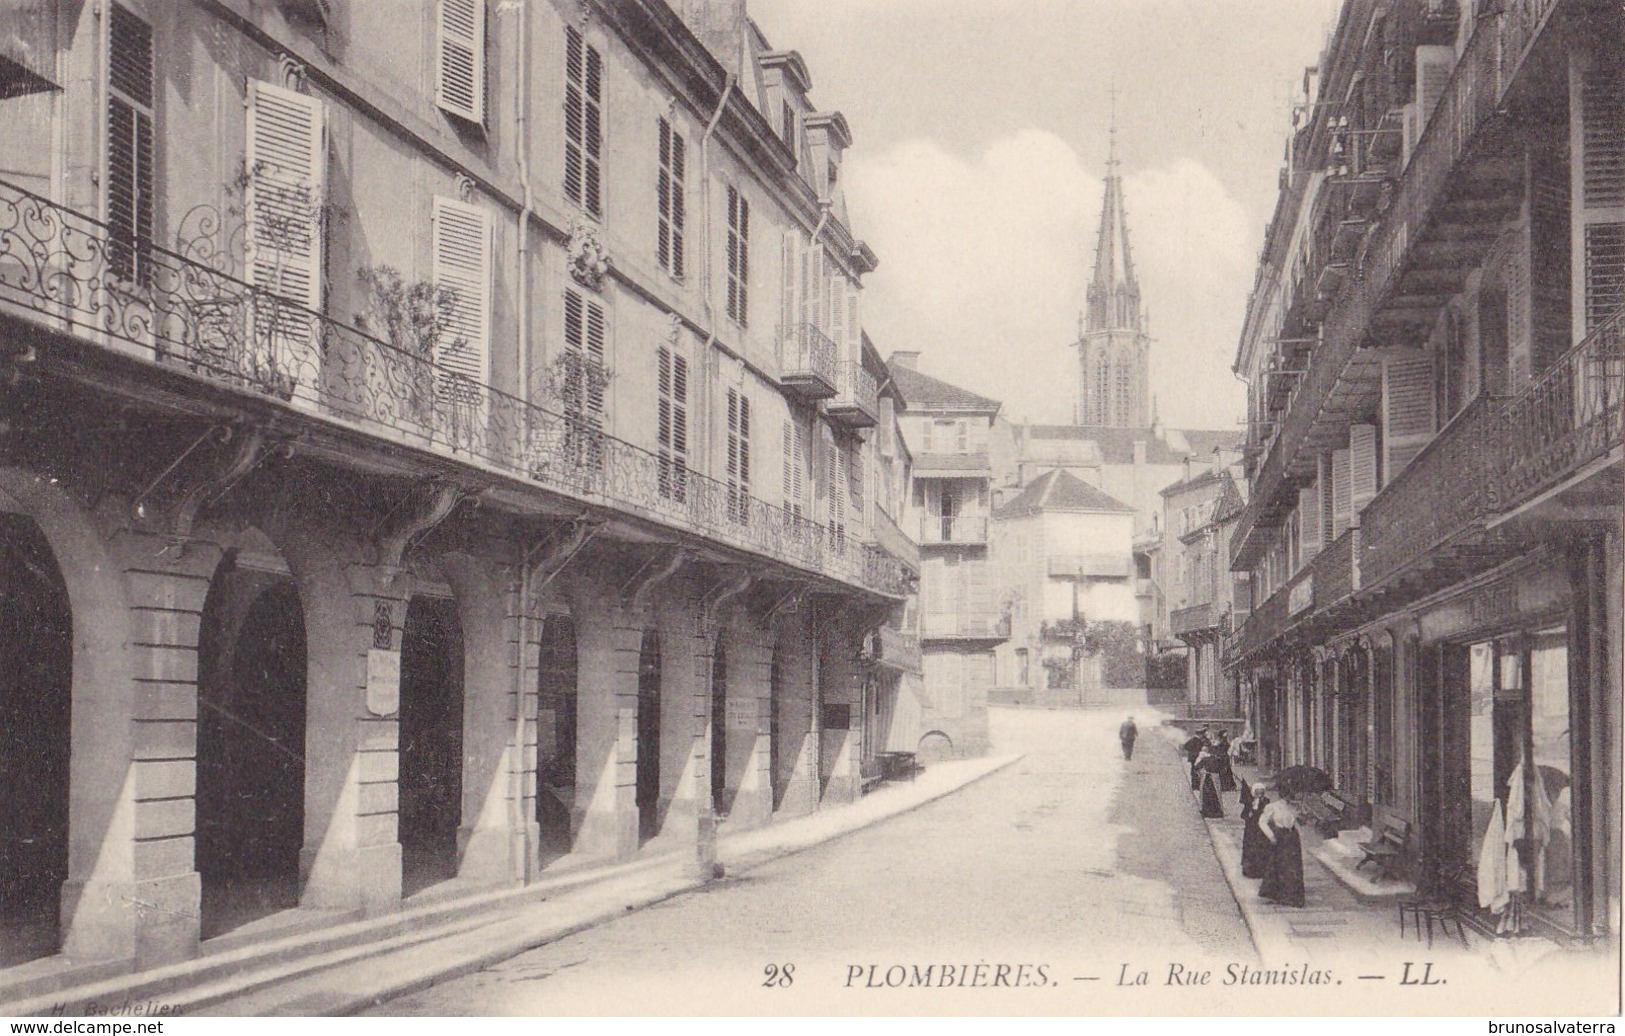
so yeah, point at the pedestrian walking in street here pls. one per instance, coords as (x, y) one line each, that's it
(1126, 735)
(1255, 848)
(1193, 750)
(1212, 807)
(1226, 769)
(1283, 873)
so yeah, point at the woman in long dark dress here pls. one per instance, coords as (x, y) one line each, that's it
(1212, 807)
(1226, 770)
(1255, 848)
(1283, 874)
(1193, 750)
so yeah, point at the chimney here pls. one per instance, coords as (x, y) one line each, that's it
(908, 360)
(721, 25)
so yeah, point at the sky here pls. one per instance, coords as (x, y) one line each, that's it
(980, 138)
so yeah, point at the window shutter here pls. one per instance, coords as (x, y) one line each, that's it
(1433, 65)
(1362, 466)
(583, 122)
(129, 144)
(787, 283)
(670, 189)
(739, 456)
(854, 329)
(837, 324)
(585, 334)
(1407, 404)
(1341, 498)
(1309, 521)
(672, 425)
(1601, 174)
(462, 262)
(815, 287)
(835, 481)
(460, 89)
(287, 162)
(795, 463)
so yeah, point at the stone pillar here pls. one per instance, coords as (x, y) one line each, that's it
(750, 666)
(354, 612)
(685, 705)
(841, 687)
(154, 906)
(607, 646)
(492, 742)
(798, 719)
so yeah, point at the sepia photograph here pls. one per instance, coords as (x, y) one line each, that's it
(547, 509)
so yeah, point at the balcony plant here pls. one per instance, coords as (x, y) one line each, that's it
(571, 389)
(417, 319)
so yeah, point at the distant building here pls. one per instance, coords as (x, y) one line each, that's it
(1195, 557)
(947, 430)
(1114, 349)
(1061, 551)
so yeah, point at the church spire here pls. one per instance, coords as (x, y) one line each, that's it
(1114, 291)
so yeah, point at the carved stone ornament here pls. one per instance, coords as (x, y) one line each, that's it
(589, 262)
(465, 188)
(293, 73)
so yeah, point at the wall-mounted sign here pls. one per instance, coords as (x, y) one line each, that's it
(741, 713)
(837, 717)
(1301, 596)
(383, 681)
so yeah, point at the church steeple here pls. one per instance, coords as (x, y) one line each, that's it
(1114, 349)
(1114, 292)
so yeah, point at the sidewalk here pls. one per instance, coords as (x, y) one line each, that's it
(354, 966)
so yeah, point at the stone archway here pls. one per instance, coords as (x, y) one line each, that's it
(431, 742)
(648, 736)
(558, 713)
(36, 688)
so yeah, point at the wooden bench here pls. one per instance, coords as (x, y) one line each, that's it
(1325, 810)
(870, 774)
(1390, 836)
(896, 766)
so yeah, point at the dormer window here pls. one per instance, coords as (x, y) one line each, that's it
(787, 127)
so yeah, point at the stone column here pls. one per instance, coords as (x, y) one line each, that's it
(841, 686)
(607, 645)
(492, 741)
(354, 611)
(750, 665)
(798, 720)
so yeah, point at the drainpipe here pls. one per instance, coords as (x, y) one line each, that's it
(521, 823)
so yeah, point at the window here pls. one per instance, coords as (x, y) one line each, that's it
(669, 239)
(673, 425)
(787, 126)
(835, 469)
(460, 82)
(738, 256)
(129, 145)
(797, 453)
(738, 456)
(585, 335)
(462, 262)
(583, 123)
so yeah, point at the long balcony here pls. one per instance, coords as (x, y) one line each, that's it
(936, 530)
(1427, 526)
(810, 370)
(857, 401)
(1195, 618)
(1563, 430)
(963, 626)
(1449, 206)
(898, 649)
(218, 335)
(952, 465)
(1090, 566)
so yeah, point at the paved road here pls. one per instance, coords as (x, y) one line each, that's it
(1051, 874)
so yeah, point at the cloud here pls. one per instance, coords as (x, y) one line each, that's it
(984, 262)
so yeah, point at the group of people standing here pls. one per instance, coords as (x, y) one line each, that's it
(1271, 848)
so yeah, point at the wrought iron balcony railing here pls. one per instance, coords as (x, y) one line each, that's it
(1333, 570)
(938, 529)
(857, 399)
(1568, 418)
(964, 626)
(809, 362)
(57, 270)
(1442, 495)
(1470, 102)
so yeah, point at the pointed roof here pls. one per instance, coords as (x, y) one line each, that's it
(1060, 490)
(1114, 290)
(923, 392)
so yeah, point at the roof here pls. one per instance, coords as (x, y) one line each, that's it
(1196, 481)
(1117, 444)
(1060, 491)
(922, 392)
(1231, 503)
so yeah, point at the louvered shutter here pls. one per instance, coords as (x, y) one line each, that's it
(672, 418)
(835, 493)
(1600, 171)
(583, 122)
(462, 262)
(738, 456)
(1407, 403)
(1309, 521)
(1433, 65)
(287, 162)
(815, 287)
(1328, 509)
(585, 334)
(795, 463)
(1341, 487)
(787, 284)
(1362, 466)
(838, 321)
(854, 329)
(129, 145)
(460, 86)
(857, 472)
